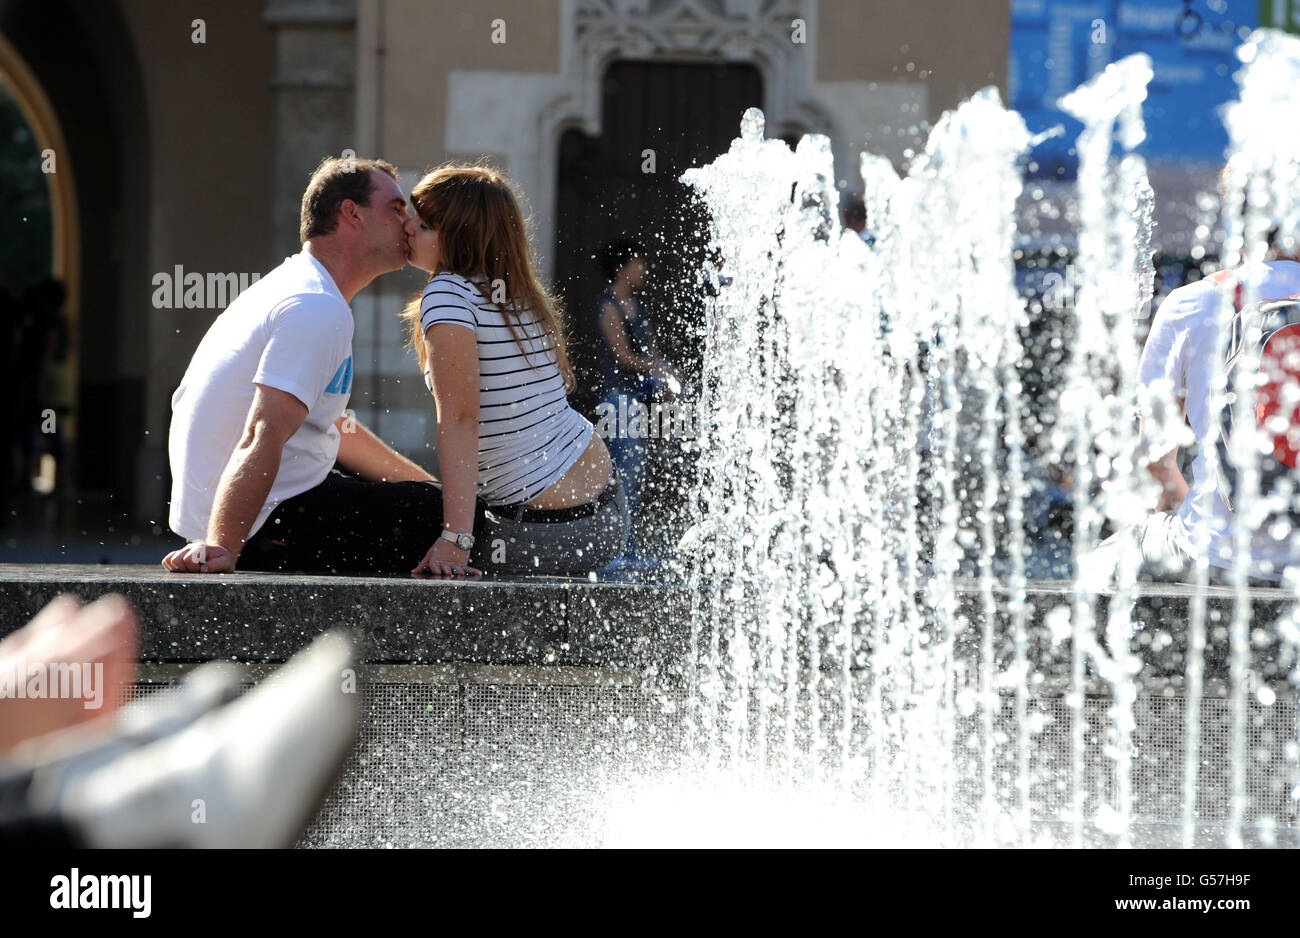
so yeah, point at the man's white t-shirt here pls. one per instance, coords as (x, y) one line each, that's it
(291, 330)
(1179, 356)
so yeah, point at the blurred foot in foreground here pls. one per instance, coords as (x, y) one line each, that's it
(197, 766)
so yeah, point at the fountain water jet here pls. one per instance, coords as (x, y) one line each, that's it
(1115, 208)
(832, 539)
(812, 324)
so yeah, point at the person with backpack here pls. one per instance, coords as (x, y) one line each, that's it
(1176, 374)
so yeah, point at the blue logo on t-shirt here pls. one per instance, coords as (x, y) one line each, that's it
(341, 383)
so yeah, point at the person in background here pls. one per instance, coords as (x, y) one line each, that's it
(633, 370)
(45, 351)
(855, 219)
(1176, 377)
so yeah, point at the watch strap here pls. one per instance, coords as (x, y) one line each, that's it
(456, 538)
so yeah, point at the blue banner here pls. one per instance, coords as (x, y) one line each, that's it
(1058, 44)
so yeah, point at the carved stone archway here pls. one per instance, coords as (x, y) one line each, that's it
(777, 36)
(530, 112)
(38, 112)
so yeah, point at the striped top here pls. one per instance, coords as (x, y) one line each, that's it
(528, 435)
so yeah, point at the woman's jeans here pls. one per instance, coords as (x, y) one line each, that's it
(630, 452)
(505, 545)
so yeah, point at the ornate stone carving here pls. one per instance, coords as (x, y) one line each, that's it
(762, 32)
(594, 33)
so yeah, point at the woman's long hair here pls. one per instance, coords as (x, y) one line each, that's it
(481, 235)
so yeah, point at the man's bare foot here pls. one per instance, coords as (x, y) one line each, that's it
(101, 641)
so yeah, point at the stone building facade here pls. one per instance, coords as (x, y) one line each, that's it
(188, 132)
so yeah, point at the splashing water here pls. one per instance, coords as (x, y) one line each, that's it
(1262, 191)
(1101, 389)
(827, 581)
(861, 627)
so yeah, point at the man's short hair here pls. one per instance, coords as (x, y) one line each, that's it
(335, 180)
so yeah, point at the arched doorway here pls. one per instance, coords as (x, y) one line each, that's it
(39, 229)
(78, 61)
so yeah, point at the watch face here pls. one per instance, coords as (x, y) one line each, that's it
(464, 541)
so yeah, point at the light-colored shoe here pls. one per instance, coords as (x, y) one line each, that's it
(251, 774)
(53, 760)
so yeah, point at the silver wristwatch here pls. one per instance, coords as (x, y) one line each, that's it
(463, 541)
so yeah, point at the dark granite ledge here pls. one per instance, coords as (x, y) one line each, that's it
(154, 573)
(550, 621)
(1142, 591)
(269, 616)
(1160, 613)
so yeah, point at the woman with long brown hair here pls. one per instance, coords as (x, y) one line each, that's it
(490, 340)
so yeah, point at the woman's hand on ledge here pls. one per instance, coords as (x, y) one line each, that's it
(446, 560)
(200, 558)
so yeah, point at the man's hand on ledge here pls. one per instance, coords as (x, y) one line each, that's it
(200, 558)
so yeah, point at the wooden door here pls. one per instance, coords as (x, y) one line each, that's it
(677, 116)
(686, 115)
